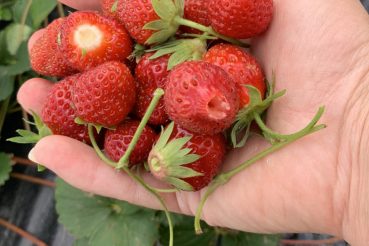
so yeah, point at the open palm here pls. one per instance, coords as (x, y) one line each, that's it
(316, 49)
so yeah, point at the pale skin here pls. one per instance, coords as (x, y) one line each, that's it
(318, 50)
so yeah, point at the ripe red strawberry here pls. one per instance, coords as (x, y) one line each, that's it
(58, 112)
(180, 167)
(117, 141)
(45, 57)
(196, 10)
(242, 67)
(150, 75)
(240, 18)
(201, 97)
(105, 95)
(135, 14)
(89, 39)
(110, 8)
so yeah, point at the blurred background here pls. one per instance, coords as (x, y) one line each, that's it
(38, 209)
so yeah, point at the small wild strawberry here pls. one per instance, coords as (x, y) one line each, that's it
(241, 66)
(151, 74)
(89, 39)
(117, 141)
(105, 94)
(58, 112)
(45, 57)
(240, 18)
(186, 160)
(201, 97)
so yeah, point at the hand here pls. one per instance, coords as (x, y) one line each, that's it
(318, 50)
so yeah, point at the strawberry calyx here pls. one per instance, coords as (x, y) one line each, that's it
(168, 157)
(166, 26)
(29, 137)
(171, 14)
(181, 50)
(256, 107)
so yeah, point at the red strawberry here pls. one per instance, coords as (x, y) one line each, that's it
(177, 168)
(196, 10)
(105, 95)
(240, 18)
(151, 74)
(117, 141)
(45, 57)
(201, 97)
(89, 39)
(135, 14)
(58, 112)
(109, 8)
(241, 66)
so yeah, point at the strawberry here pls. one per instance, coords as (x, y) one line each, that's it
(201, 97)
(151, 74)
(105, 95)
(240, 18)
(117, 141)
(196, 10)
(58, 112)
(45, 57)
(187, 160)
(135, 14)
(89, 39)
(241, 66)
(109, 8)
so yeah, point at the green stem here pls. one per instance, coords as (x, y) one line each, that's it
(133, 176)
(23, 20)
(125, 158)
(3, 111)
(282, 137)
(160, 199)
(156, 189)
(192, 24)
(191, 35)
(225, 177)
(96, 147)
(60, 10)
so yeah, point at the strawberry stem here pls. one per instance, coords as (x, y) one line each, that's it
(134, 177)
(225, 177)
(123, 162)
(209, 30)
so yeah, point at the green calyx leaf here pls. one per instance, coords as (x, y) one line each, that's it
(166, 27)
(138, 52)
(27, 137)
(98, 127)
(241, 127)
(169, 158)
(181, 50)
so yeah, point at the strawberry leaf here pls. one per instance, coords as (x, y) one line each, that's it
(249, 239)
(96, 220)
(5, 167)
(185, 236)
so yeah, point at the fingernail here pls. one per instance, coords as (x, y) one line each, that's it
(31, 155)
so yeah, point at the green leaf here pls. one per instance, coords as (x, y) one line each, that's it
(184, 234)
(5, 167)
(6, 86)
(179, 183)
(19, 65)
(15, 35)
(5, 14)
(250, 239)
(99, 221)
(38, 11)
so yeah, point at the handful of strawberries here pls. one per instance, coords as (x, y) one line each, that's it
(172, 66)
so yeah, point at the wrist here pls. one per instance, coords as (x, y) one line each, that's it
(354, 151)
